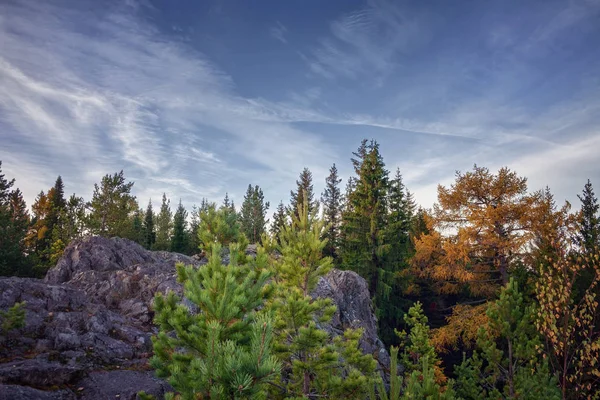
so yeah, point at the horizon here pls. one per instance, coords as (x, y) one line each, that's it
(200, 99)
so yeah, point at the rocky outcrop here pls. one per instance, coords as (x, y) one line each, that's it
(92, 314)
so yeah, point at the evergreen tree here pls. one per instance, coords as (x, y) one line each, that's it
(507, 364)
(589, 231)
(392, 303)
(111, 207)
(164, 225)
(74, 221)
(253, 214)
(219, 227)
(304, 185)
(226, 201)
(223, 351)
(58, 206)
(280, 220)
(364, 219)
(179, 241)
(193, 242)
(424, 378)
(314, 363)
(14, 222)
(332, 202)
(138, 233)
(149, 230)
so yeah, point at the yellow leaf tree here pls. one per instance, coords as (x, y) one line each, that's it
(478, 232)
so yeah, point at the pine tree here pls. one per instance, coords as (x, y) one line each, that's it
(364, 219)
(589, 232)
(112, 206)
(304, 185)
(179, 241)
(392, 302)
(193, 242)
(138, 233)
(14, 222)
(280, 220)
(164, 225)
(226, 201)
(312, 360)
(58, 206)
(223, 351)
(74, 224)
(149, 230)
(508, 363)
(253, 214)
(219, 227)
(332, 203)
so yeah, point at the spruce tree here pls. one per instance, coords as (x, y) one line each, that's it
(192, 233)
(314, 363)
(112, 206)
(138, 233)
(297, 197)
(164, 225)
(222, 351)
(253, 214)
(14, 223)
(149, 230)
(331, 199)
(365, 217)
(179, 241)
(589, 221)
(280, 220)
(392, 303)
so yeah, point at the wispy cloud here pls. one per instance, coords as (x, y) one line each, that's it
(367, 41)
(279, 32)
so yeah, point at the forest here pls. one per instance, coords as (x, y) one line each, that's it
(490, 294)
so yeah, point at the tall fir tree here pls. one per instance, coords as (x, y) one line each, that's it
(179, 241)
(253, 214)
(112, 206)
(280, 220)
(193, 242)
(589, 220)
(364, 220)
(149, 229)
(164, 225)
(331, 199)
(303, 185)
(393, 304)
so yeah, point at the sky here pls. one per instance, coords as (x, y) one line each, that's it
(198, 98)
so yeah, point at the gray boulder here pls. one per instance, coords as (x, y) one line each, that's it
(16, 392)
(93, 313)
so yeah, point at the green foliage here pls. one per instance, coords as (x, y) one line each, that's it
(304, 192)
(219, 227)
(222, 351)
(253, 214)
(589, 221)
(13, 318)
(164, 225)
(179, 241)
(111, 207)
(508, 363)
(149, 230)
(423, 377)
(14, 225)
(314, 363)
(280, 220)
(332, 202)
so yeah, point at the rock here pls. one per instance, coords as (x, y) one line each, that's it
(123, 385)
(15, 392)
(39, 373)
(350, 293)
(93, 312)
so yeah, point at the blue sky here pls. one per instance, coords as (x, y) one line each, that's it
(196, 98)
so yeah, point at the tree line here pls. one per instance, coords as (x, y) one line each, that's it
(507, 279)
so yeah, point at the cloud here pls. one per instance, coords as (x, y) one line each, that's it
(278, 32)
(367, 41)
